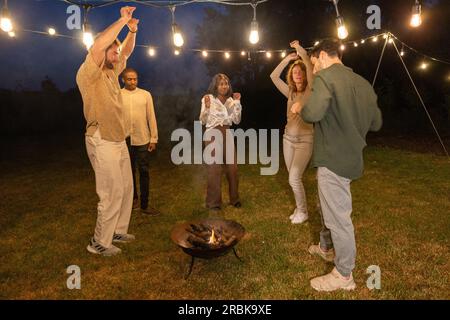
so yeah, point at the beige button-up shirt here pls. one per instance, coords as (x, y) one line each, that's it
(140, 119)
(102, 101)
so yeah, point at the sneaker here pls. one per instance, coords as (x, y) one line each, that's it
(150, 211)
(135, 204)
(125, 237)
(97, 248)
(299, 218)
(333, 281)
(293, 214)
(315, 249)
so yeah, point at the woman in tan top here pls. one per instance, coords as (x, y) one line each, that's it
(298, 135)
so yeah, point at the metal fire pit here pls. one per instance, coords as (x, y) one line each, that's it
(180, 236)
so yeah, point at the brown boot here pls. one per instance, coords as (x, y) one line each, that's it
(150, 211)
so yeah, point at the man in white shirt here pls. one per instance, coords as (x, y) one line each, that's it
(142, 132)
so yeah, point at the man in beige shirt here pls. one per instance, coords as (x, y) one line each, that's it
(98, 82)
(142, 131)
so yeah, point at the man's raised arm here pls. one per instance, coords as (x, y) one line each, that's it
(104, 40)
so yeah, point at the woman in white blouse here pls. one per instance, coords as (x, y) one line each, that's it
(221, 108)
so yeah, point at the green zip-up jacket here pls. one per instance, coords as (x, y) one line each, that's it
(343, 107)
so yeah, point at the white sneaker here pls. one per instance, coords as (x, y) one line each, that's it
(97, 248)
(333, 281)
(293, 214)
(299, 218)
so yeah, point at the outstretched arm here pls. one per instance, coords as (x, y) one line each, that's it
(104, 40)
(276, 74)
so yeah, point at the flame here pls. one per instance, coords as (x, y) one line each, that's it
(213, 238)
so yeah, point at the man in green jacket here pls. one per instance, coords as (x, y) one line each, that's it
(343, 107)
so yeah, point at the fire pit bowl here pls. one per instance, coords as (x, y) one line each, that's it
(193, 238)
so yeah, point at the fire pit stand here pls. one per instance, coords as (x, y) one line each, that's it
(183, 236)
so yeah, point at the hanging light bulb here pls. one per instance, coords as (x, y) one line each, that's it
(151, 52)
(12, 34)
(176, 52)
(341, 29)
(355, 44)
(51, 31)
(342, 47)
(423, 65)
(204, 53)
(254, 33)
(316, 43)
(88, 38)
(416, 18)
(242, 53)
(362, 41)
(283, 54)
(227, 55)
(268, 54)
(374, 39)
(5, 19)
(178, 40)
(402, 53)
(385, 36)
(391, 40)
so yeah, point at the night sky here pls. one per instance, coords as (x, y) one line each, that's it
(29, 57)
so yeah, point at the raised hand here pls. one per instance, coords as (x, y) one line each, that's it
(236, 96)
(207, 101)
(132, 24)
(300, 50)
(127, 12)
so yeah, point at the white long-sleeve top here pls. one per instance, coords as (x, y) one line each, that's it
(219, 114)
(139, 116)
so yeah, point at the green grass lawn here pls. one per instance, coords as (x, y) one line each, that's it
(48, 210)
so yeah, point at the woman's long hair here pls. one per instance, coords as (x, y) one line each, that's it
(214, 85)
(290, 78)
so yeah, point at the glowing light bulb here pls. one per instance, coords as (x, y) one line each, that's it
(362, 41)
(178, 40)
(254, 34)
(5, 20)
(342, 47)
(283, 54)
(402, 53)
(51, 31)
(227, 55)
(423, 65)
(6, 24)
(151, 52)
(88, 38)
(375, 39)
(268, 54)
(355, 44)
(242, 53)
(204, 53)
(341, 29)
(416, 18)
(176, 52)
(316, 43)
(12, 34)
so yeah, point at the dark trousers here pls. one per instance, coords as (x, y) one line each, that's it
(139, 157)
(214, 189)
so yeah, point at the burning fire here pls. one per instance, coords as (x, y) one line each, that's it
(212, 239)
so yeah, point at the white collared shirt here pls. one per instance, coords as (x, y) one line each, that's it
(219, 114)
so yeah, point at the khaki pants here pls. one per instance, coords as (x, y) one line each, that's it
(297, 153)
(214, 188)
(114, 186)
